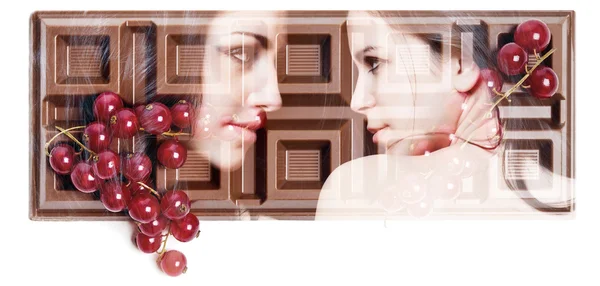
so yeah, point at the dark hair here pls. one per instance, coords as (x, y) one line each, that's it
(485, 59)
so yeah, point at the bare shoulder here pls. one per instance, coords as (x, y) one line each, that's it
(359, 183)
(352, 175)
(350, 186)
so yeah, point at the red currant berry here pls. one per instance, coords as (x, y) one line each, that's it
(172, 154)
(156, 118)
(144, 207)
(182, 114)
(137, 167)
(62, 159)
(154, 227)
(114, 195)
(96, 137)
(491, 79)
(533, 35)
(175, 204)
(106, 164)
(83, 178)
(543, 82)
(185, 229)
(124, 124)
(512, 59)
(173, 263)
(106, 105)
(148, 244)
(139, 109)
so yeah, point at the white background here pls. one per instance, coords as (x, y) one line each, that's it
(451, 252)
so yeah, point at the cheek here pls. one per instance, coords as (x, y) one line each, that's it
(395, 98)
(394, 88)
(224, 87)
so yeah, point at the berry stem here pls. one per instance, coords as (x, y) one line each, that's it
(512, 89)
(76, 141)
(169, 133)
(150, 189)
(174, 133)
(497, 92)
(164, 245)
(66, 132)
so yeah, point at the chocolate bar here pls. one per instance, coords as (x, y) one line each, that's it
(146, 56)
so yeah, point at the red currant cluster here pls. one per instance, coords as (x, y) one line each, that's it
(123, 181)
(530, 37)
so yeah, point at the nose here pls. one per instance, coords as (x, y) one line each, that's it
(362, 98)
(266, 91)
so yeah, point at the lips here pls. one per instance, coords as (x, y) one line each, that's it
(253, 121)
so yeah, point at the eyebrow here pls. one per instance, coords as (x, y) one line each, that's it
(264, 42)
(363, 51)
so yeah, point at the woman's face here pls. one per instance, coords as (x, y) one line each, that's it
(240, 85)
(400, 87)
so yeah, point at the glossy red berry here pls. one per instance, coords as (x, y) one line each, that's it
(175, 204)
(154, 227)
(83, 178)
(62, 159)
(139, 109)
(533, 35)
(148, 244)
(106, 105)
(512, 59)
(144, 207)
(156, 118)
(124, 124)
(171, 154)
(173, 263)
(106, 164)
(97, 137)
(182, 113)
(185, 229)
(491, 79)
(137, 167)
(114, 195)
(543, 82)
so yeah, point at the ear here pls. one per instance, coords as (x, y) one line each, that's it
(464, 78)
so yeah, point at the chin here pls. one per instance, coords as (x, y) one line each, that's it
(228, 159)
(227, 165)
(224, 155)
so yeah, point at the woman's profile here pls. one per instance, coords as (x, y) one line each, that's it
(425, 102)
(239, 85)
